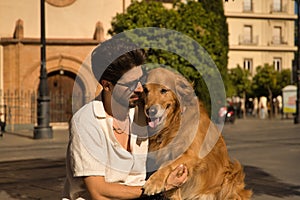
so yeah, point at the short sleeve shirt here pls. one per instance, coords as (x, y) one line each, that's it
(93, 150)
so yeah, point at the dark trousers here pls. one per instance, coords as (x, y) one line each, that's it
(159, 196)
(2, 126)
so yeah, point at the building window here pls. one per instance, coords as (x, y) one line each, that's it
(277, 64)
(248, 64)
(247, 5)
(247, 37)
(277, 5)
(247, 34)
(277, 35)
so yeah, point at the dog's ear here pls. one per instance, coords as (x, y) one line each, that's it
(184, 91)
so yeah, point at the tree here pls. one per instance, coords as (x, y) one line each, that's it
(240, 83)
(207, 27)
(265, 83)
(283, 79)
(217, 10)
(268, 81)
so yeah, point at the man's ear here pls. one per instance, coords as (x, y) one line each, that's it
(106, 85)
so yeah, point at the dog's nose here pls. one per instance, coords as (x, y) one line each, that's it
(152, 111)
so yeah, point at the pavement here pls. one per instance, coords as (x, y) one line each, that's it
(32, 169)
(269, 150)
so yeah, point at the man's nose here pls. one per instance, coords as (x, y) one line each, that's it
(139, 87)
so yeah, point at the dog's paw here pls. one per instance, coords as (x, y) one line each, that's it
(154, 185)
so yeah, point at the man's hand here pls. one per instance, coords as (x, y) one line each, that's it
(177, 177)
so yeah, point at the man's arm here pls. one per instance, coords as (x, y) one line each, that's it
(99, 189)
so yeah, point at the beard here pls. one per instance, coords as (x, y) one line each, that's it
(134, 103)
(134, 100)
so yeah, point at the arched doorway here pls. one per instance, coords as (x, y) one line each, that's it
(61, 84)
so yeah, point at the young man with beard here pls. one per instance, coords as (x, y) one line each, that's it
(107, 152)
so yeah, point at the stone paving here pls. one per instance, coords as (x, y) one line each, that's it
(269, 150)
(270, 153)
(32, 169)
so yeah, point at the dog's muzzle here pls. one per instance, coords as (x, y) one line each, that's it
(155, 115)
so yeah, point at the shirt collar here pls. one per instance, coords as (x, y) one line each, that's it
(98, 109)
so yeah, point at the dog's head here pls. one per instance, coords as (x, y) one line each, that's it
(166, 96)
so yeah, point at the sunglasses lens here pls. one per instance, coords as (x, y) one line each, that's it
(143, 80)
(133, 86)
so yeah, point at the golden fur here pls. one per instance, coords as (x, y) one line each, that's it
(213, 177)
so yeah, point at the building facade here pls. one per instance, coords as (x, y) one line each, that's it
(261, 32)
(73, 29)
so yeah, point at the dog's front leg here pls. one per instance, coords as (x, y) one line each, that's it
(174, 194)
(156, 183)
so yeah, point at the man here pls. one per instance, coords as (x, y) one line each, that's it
(107, 152)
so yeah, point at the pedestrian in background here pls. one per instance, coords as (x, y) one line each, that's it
(263, 107)
(255, 107)
(2, 125)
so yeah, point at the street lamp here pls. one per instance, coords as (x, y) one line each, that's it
(43, 130)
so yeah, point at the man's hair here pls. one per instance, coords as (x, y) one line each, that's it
(112, 58)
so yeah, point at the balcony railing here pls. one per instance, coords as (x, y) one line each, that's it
(278, 8)
(248, 7)
(278, 40)
(246, 40)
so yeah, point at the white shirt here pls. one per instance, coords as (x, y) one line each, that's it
(94, 151)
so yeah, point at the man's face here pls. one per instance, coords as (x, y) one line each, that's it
(128, 90)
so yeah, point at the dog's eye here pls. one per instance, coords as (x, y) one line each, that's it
(163, 91)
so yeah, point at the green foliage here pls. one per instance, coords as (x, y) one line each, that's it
(265, 80)
(221, 27)
(269, 82)
(142, 14)
(283, 79)
(205, 25)
(239, 80)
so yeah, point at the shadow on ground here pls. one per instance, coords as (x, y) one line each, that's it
(263, 183)
(43, 179)
(32, 179)
(18, 134)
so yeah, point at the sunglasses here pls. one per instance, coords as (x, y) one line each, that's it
(132, 85)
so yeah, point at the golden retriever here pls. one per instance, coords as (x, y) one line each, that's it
(178, 124)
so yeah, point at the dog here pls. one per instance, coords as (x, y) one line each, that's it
(178, 125)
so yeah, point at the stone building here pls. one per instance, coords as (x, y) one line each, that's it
(261, 31)
(73, 29)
